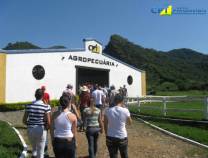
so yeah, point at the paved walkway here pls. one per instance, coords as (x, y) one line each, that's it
(144, 142)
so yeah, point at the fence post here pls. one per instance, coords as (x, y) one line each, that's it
(206, 109)
(164, 107)
(138, 104)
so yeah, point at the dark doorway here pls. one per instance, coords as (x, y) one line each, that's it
(91, 75)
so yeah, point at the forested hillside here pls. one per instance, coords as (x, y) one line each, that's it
(28, 45)
(179, 69)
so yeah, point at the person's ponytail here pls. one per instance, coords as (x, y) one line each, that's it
(64, 101)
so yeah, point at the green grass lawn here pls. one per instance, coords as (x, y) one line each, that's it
(182, 93)
(194, 133)
(146, 109)
(10, 145)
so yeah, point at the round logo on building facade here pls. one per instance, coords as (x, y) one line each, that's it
(130, 80)
(38, 72)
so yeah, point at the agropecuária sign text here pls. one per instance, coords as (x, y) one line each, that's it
(90, 60)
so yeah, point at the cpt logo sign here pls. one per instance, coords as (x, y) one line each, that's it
(94, 48)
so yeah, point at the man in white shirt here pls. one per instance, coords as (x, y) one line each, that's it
(115, 128)
(99, 96)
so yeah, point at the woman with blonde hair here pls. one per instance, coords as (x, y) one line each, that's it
(93, 118)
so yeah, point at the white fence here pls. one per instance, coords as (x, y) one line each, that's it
(167, 99)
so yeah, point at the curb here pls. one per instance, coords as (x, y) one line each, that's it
(174, 135)
(24, 152)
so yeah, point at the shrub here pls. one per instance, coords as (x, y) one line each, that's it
(167, 86)
(20, 106)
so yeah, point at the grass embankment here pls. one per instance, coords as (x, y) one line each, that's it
(175, 109)
(199, 134)
(156, 109)
(195, 115)
(194, 133)
(10, 144)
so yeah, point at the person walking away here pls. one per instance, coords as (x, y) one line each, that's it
(115, 128)
(72, 106)
(112, 95)
(106, 99)
(94, 126)
(125, 94)
(37, 116)
(64, 130)
(84, 103)
(46, 96)
(69, 90)
(98, 96)
(46, 100)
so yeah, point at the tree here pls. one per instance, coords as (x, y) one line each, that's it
(182, 69)
(20, 45)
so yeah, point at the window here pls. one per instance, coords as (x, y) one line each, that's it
(129, 80)
(38, 72)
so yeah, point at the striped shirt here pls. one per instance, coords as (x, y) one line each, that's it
(92, 118)
(36, 113)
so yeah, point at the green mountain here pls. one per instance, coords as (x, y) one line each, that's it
(28, 45)
(178, 69)
(20, 45)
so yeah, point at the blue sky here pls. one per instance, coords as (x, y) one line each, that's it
(67, 22)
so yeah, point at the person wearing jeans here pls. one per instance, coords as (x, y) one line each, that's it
(37, 117)
(64, 148)
(99, 96)
(92, 134)
(94, 126)
(63, 130)
(115, 144)
(37, 136)
(115, 119)
(84, 103)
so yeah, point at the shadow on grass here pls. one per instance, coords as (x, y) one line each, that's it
(20, 127)
(15, 145)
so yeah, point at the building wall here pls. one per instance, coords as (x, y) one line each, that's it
(2, 77)
(143, 83)
(60, 70)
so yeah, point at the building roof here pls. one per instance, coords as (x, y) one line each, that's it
(28, 51)
(91, 39)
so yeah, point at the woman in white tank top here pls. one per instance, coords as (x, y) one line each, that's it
(63, 130)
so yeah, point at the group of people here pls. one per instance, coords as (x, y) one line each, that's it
(102, 111)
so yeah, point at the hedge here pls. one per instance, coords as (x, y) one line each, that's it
(20, 106)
